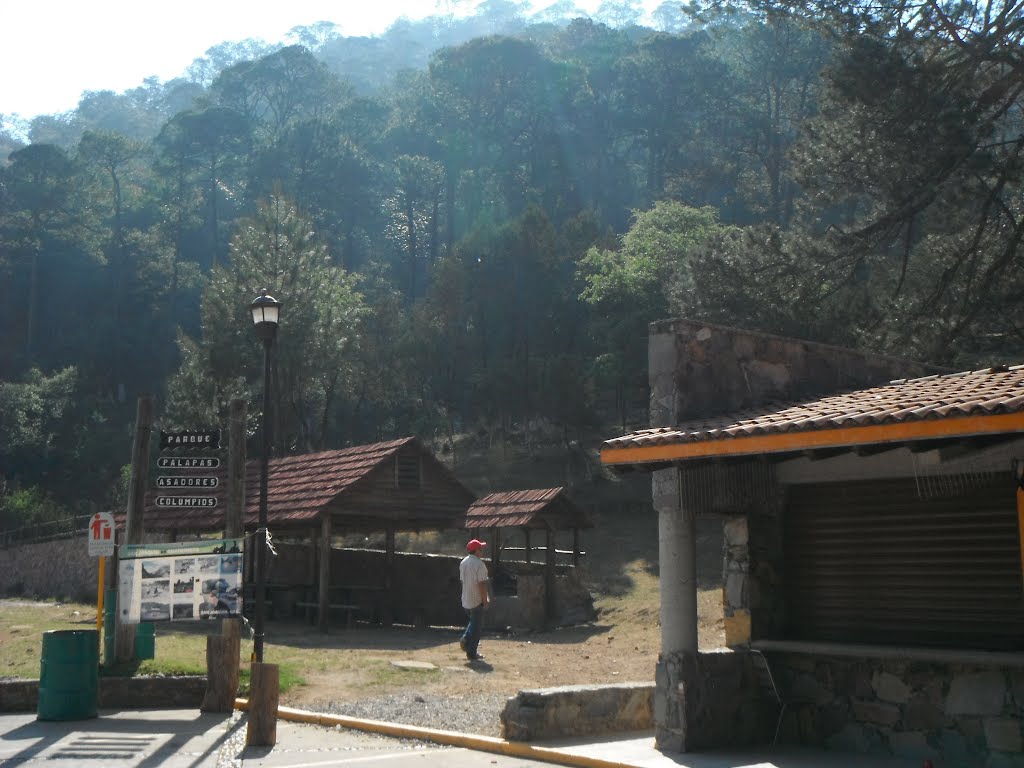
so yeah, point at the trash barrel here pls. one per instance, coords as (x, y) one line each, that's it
(69, 674)
(145, 640)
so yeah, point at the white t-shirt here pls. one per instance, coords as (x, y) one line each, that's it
(473, 572)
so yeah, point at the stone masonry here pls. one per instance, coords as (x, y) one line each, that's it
(961, 715)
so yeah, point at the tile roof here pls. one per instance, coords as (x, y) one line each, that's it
(538, 508)
(298, 487)
(989, 392)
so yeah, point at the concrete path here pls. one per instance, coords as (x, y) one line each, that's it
(189, 739)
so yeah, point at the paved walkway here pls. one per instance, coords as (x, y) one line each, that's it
(189, 739)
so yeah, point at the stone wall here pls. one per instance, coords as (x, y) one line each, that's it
(752, 594)
(711, 700)
(184, 692)
(577, 710)
(965, 714)
(698, 370)
(60, 569)
(54, 569)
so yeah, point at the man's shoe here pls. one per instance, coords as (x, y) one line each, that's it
(475, 657)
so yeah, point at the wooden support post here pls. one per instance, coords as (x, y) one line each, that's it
(311, 565)
(222, 671)
(389, 568)
(549, 578)
(529, 554)
(323, 596)
(495, 548)
(261, 730)
(124, 638)
(223, 652)
(575, 547)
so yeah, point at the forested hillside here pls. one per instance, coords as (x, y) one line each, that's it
(471, 221)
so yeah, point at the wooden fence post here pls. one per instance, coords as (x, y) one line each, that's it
(124, 638)
(222, 652)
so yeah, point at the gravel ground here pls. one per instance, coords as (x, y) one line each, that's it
(476, 713)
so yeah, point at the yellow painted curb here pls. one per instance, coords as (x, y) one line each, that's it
(448, 738)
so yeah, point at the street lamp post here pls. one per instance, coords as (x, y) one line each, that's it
(266, 312)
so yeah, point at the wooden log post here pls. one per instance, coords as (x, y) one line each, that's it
(223, 652)
(261, 730)
(388, 618)
(323, 597)
(222, 671)
(526, 536)
(124, 636)
(549, 579)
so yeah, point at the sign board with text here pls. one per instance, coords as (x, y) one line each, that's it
(182, 581)
(101, 535)
(190, 438)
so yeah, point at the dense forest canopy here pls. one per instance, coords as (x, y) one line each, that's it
(471, 221)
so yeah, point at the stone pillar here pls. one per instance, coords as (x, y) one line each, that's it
(675, 676)
(736, 569)
(677, 564)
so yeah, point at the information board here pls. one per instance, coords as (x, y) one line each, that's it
(184, 581)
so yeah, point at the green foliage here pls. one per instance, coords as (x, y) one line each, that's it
(632, 287)
(29, 507)
(473, 233)
(278, 250)
(31, 410)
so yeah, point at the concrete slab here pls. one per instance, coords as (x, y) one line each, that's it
(177, 738)
(636, 750)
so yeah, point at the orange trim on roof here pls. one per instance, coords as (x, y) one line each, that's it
(782, 442)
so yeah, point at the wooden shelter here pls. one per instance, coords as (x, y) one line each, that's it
(387, 487)
(547, 510)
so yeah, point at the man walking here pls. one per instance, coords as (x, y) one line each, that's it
(475, 597)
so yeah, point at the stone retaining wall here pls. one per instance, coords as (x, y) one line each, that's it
(60, 569)
(966, 714)
(54, 569)
(577, 710)
(184, 692)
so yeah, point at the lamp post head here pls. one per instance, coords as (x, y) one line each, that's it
(266, 312)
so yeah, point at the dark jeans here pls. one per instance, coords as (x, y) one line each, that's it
(473, 629)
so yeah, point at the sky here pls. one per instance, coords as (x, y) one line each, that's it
(50, 52)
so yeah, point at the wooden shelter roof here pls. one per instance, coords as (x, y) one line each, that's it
(546, 508)
(396, 483)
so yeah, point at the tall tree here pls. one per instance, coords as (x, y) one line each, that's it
(277, 249)
(45, 222)
(917, 160)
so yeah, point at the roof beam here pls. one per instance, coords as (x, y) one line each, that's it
(795, 442)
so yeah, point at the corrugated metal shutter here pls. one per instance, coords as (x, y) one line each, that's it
(872, 562)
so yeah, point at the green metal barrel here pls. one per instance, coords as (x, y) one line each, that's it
(69, 675)
(145, 640)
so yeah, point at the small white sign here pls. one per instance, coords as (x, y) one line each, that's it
(101, 535)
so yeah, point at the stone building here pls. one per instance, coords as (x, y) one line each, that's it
(872, 512)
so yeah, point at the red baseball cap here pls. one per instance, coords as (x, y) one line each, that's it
(475, 544)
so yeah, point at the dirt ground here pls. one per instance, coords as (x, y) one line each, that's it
(358, 662)
(621, 645)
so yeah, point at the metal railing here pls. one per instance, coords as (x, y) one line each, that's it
(52, 530)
